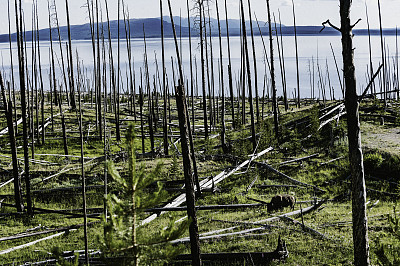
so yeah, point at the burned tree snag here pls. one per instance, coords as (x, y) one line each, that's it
(360, 228)
(71, 78)
(9, 115)
(229, 67)
(247, 66)
(297, 56)
(274, 101)
(222, 83)
(187, 158)
(164, 90)
(360, 231)
(203, 78)
(21, 60)
(254, 63)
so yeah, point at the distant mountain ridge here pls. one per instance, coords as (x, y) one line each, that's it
(152, 29)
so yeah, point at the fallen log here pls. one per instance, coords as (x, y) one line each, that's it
(264, 165)
(331, 161)
(279, 186)
(6, 183)
(299, 159)
(207, 207)
(304, 227)
(2, 252)
(48, 231)
(258, 258)
(77, 215)
(217, 233)
(208, 183)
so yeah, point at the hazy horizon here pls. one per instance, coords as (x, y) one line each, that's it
(306, 14)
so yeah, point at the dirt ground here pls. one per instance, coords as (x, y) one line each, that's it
(380, 137)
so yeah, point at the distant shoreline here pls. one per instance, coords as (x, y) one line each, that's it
(152, 29)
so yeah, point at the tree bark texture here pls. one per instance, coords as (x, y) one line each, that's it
(360, 230)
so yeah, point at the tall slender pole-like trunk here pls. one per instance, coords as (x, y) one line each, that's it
(247, 66)
(282, 68)
(229, 67)
(254, 63)
(191, 65)
(117, 130)
(12, 68)
(297, 56)
(72, 80)
(41, 85)
(337, 70)
(187, 158)
(383, 55)
(21, 60)
(274, 101)
(17, 181)
(164, 87)
(222, 83)
(203, 77)
(111, 56)
(149, 93)
(83, 171)
(98, 74)
(397, 68)
(360, 228)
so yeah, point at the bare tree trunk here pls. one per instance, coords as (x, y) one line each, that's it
(12, 67)
(337, 70)
(203, 78)
(254, 63)
(282, 67)
(297, 56)
(222, 83)
(117, 131)
(72, 81)
(164, 87)
(82, 171)
(274, 101)
(383, 56)
(21, 61)
(17, 182)
(191, 65)
(247, 66)
(360, 229)
(229, 67)
(187, 158)
(98, 71)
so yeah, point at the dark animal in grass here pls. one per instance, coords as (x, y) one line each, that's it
(279, 202)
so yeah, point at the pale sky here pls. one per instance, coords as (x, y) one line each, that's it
(308, 12)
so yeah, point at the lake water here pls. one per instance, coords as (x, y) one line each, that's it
(309, 49)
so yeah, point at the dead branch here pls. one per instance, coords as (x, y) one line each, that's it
(330, 24)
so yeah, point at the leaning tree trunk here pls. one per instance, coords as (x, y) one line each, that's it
(247, 67)
(360, 231)
(187, 158)
(72, 82)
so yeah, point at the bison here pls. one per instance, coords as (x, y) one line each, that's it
(279, 202)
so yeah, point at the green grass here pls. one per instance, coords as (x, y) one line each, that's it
(332, 219)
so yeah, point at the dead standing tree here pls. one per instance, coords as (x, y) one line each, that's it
(187, 158)
(8, 109)
(360, 229)
(71, 78)
(274, 101)
(200, 6)
(247, 66)
(21, 61)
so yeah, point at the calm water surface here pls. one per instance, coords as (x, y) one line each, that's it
(313, 51)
